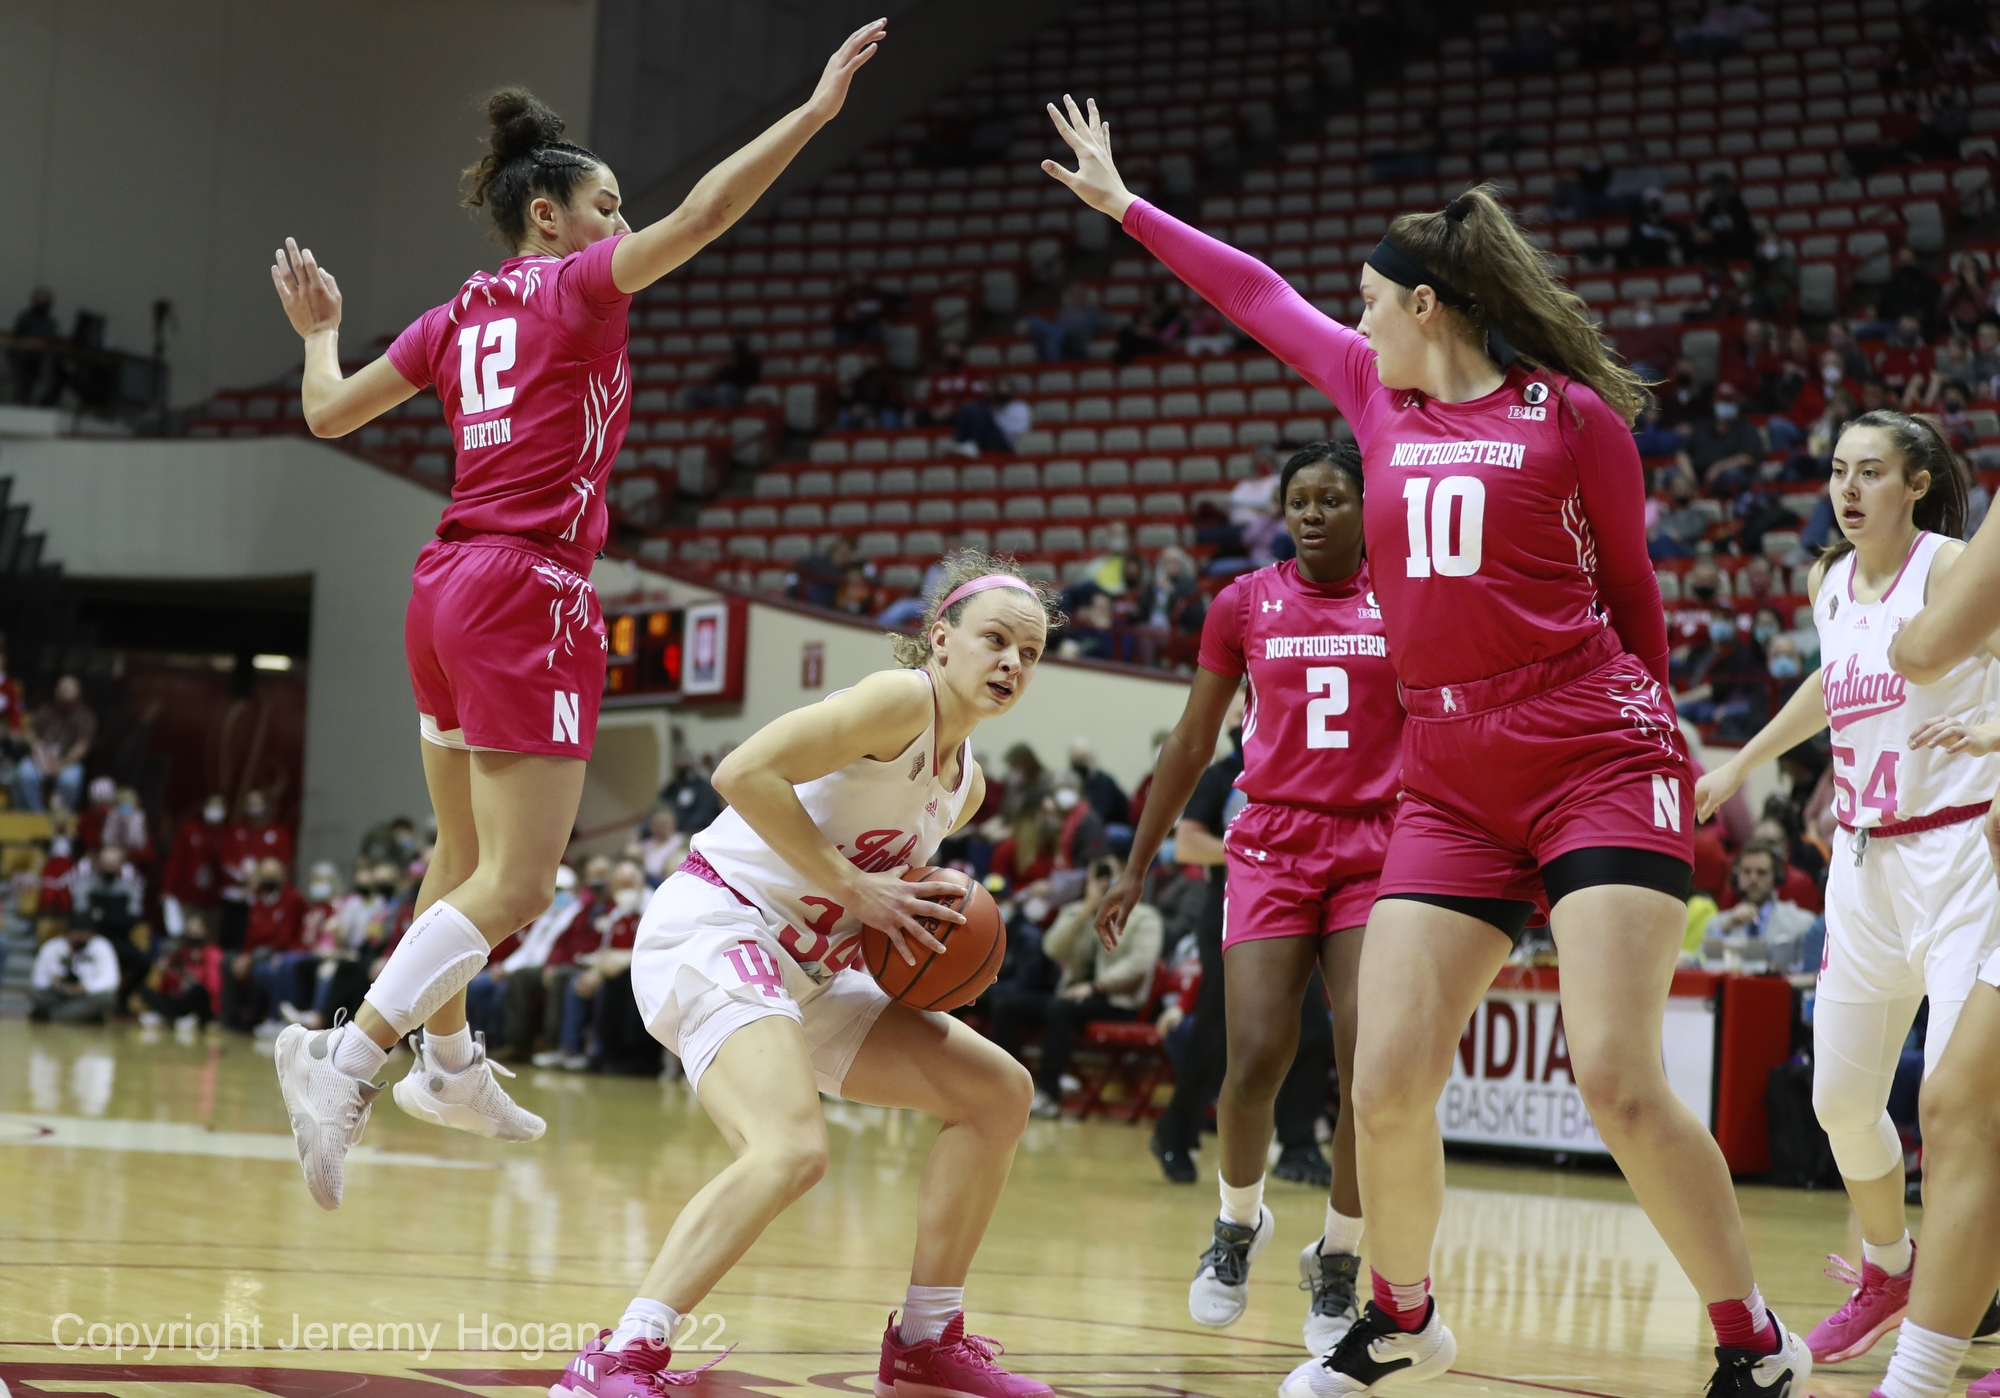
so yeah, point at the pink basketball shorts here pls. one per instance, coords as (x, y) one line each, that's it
(506, 649)
(1504, 774)
(1295, 872)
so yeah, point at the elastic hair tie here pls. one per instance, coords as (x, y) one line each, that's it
(1456, 210)
(984, 584)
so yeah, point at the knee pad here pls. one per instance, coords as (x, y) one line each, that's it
(1866, 1144)
(437, 958)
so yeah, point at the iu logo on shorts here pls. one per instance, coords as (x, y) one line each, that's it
(756, 966)
(567, 720)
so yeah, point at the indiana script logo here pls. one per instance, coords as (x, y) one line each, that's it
(1851, 695)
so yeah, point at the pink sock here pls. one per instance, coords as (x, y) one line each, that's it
(1744, 1324)
(1406, 1304)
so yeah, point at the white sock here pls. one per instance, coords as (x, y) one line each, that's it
(926, 1312)
(1894, 1258)
(1343, 1234)
(1240, 1203)
(644, 1320)
(355, 1054)
(1924, 1363)
(437, 958)
(452, 1052)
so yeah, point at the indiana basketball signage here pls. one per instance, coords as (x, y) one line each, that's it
(1512, 1084)
(693, 651)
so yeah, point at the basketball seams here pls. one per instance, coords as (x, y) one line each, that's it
(904, 981)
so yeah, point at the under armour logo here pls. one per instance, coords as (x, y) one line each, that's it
(1260, 855)
(1449, 706)
(1277, 606)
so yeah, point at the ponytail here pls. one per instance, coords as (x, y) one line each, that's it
(525, 157)
(1944, 506)
(1504, 287)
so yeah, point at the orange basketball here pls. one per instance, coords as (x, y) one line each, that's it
(955, 976)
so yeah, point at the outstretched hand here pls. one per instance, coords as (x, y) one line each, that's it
(840, 69)
(1714, 788)
(309, 293)
(1095, 180)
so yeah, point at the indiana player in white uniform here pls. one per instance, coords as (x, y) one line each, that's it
(1912, 908)
(747, 965)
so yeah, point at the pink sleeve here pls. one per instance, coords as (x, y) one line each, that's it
(1222, 634)
(586, 281)
(1331, 357)
(1613, 487)
(415, 350)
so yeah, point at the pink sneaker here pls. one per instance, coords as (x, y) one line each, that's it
(1875, 1308)
(954, 1365)
(1988, 1387)
(637, 1371)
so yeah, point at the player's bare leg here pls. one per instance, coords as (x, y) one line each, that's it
(1959, 1266)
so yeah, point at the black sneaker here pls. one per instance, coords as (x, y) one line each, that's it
(1177, 1164)
(1989, 1324)
(1221, 1286)
(1744, 1373)
(1304, 1165)
(1331, 1280)
(1373, 1355)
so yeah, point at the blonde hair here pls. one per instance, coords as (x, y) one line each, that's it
(1484, 255)
(961, 566)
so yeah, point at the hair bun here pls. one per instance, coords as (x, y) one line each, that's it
(522, 122)
(1457, 209)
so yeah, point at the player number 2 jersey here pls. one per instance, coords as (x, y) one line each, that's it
(529, 363)
(1324, 726)
(1872, 710)
(879, 814)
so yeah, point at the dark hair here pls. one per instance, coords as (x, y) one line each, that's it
(1780, 863)
(1485, 256)
(526, 158)
(1942, 508)
(1341, 456)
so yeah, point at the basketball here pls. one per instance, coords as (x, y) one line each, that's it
(948, 979)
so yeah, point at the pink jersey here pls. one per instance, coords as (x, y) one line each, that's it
(1503, 531)
(530, 364)
(1324, 727)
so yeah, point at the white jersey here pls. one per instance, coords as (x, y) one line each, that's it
(1873, 710)
(879, 814)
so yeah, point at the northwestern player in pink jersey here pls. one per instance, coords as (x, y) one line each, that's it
(1911, 908)
(1322, 744)
(1542, 763)
(747, 966)
(505, 642)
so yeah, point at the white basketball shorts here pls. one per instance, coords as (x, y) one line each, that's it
(706, 963)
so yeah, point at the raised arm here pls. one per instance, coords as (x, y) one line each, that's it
(334, 405)
(1612, 486)
(1331, 357)
(725, 193)
(878, 719)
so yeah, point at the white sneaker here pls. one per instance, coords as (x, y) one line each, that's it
(469, 1101)
(150, 1019)
(269, 1029)
(1221, 1286)
(1332, 1281)
(548, 1058)
(329, 1109)
(292, 1014)
(1742, 1373)
(187, 1024)
(1374, 1355)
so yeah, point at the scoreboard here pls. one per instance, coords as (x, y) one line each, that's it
(686, 652)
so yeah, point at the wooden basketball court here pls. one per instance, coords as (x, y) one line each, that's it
(149, 1185)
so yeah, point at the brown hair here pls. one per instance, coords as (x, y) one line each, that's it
(525, 158)
(1485, 256)
(1942, 508)
(1781, 863)
(961, 566)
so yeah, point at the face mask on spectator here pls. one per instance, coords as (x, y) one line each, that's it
(1830, 373)
(1702, 592)
(1725, 411)
(628, 899)
(1764, 631)
(1721, 629)
(213, 812)
(59, 847)
(269, 886)
(1954, 405)
(1065, 799)
(320, 890)
(1684, 380)
(1784, 667)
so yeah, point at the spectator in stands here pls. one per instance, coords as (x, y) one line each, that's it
(821, 575)
(1955, 421)
(1675, 532)
(1986, 360)
(394, 841)
(1785, 665)
(1171, 599)
(1726, 683)
(34, 369)
(527, 970)
(1723, 450)
(1586, 194)
(1654, 239)
(1014, 414)
(1685, 401)
(1099, 787)
(1027, 781)
(1025, 853)
(254, 837)
(1066, 331)
(856, 596)
(1720, 31)
(274, 927)
(1161, 328)
(1760, 868)
(1906, 365)
(1774, 280)
(858, 320)
(75, 978)
(1910, 291)
(957, 398)
(1092, 630)
(1083, 835)
(176, 990)
(1963, 300)
(1854, 363)
(1097, 983)
(1723, 226)
(730, 380)
(1953, 364)
(1537, 38)
(663, 847)
(872, 398)
(690, 797)
(59, 737)
(1649, 344)
(125, 826)
(1208, 330)
(605, 970)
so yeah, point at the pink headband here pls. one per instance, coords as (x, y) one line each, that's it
(985, 584)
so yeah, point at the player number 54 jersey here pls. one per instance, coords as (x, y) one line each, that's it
(1872, 710)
